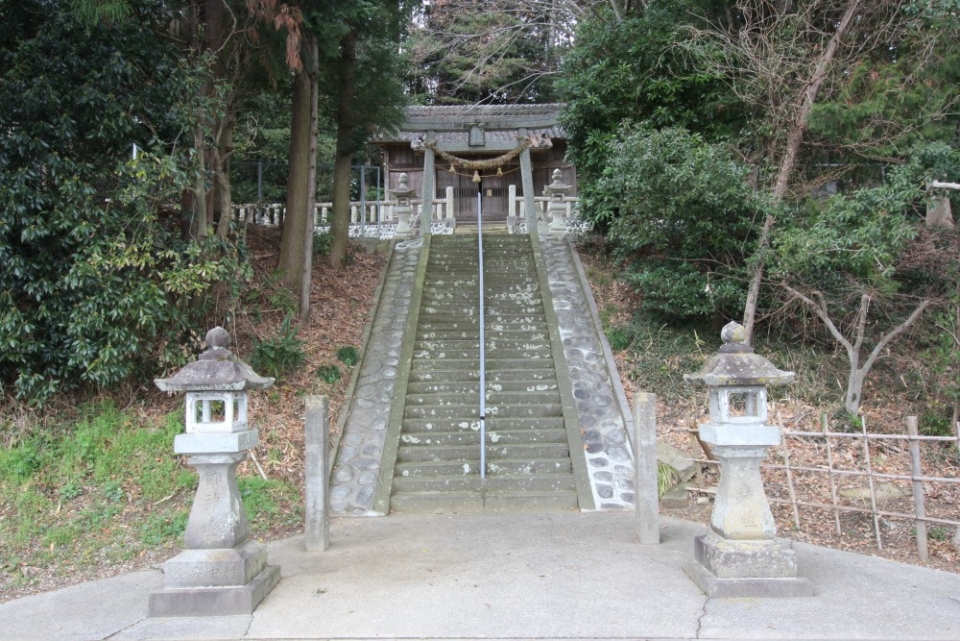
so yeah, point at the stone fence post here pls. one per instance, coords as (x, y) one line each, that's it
(316, 475)
(645, 472)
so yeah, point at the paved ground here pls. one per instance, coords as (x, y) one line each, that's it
(529, 576)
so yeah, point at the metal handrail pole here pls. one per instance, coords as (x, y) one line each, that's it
(483, 372)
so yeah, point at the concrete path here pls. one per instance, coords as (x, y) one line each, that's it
(516, 576)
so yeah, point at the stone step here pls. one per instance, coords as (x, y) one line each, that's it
(460, 277)
(471, 467)
(525, 376)
(494, 437)
(497, 398)
(472, 502)
(492, 306)
(492, 344)
(473, 387)
(440, 376)
(460, 325)
(494, 398)
(530, 375)
(497, 313)
(460, 340)
(511, 304)
(473, 483)
(474, 335)
(493, 424)
(510, 322)
(519, 274)
(498, 334)
(528, 458)
(472, 411)
(416, 453)
(451, 297)
(540, 371)
(495, 308)
(454, 312)
(513, 341)
(465, 262)
(498, 364)
(492, 354)
(431, 319)
(442, 344)
(500, 314)
(520, 296)
(494, 366)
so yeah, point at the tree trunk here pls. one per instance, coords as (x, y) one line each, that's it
(295, 220)
(224, 191)
(306, 277)
(788, 160)
(198, 219)
(851, 401)
(340, 216)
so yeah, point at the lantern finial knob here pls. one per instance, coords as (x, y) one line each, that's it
(217, 338)
(733, 332)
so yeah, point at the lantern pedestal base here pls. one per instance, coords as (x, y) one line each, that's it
(215, 582)
(557, 227)
(761, 568)
(403, 231)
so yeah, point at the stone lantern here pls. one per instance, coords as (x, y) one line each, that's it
(741, 556)
(557, 210)
(222, 571)
(403, 193)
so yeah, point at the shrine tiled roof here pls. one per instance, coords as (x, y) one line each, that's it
(453, 122)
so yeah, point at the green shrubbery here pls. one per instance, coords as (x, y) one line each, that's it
(682, 216)
(98, 281)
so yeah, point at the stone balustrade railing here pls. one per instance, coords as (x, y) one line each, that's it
(376, 211)
(377, 217)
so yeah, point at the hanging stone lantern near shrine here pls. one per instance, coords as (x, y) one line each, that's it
(222, 571)
(404, 193)
(742, 557)
(557, 209)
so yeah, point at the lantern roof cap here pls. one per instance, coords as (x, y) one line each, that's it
(737, 365)
(215, 370)
(557, 187)
(403, 190)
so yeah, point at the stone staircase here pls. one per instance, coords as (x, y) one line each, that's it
(528, 460)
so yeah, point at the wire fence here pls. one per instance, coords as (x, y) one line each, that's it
(858, 476)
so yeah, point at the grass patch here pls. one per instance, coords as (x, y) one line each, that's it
(666, 478)
(348, 355)
(279, 354)
(329, 374)
(108, 486)
(164, 526)
(101, 481)
(619, 338)
(270, 501)
(658, 355)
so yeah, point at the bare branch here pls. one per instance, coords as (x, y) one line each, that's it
(820, 309)
(887, 338)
